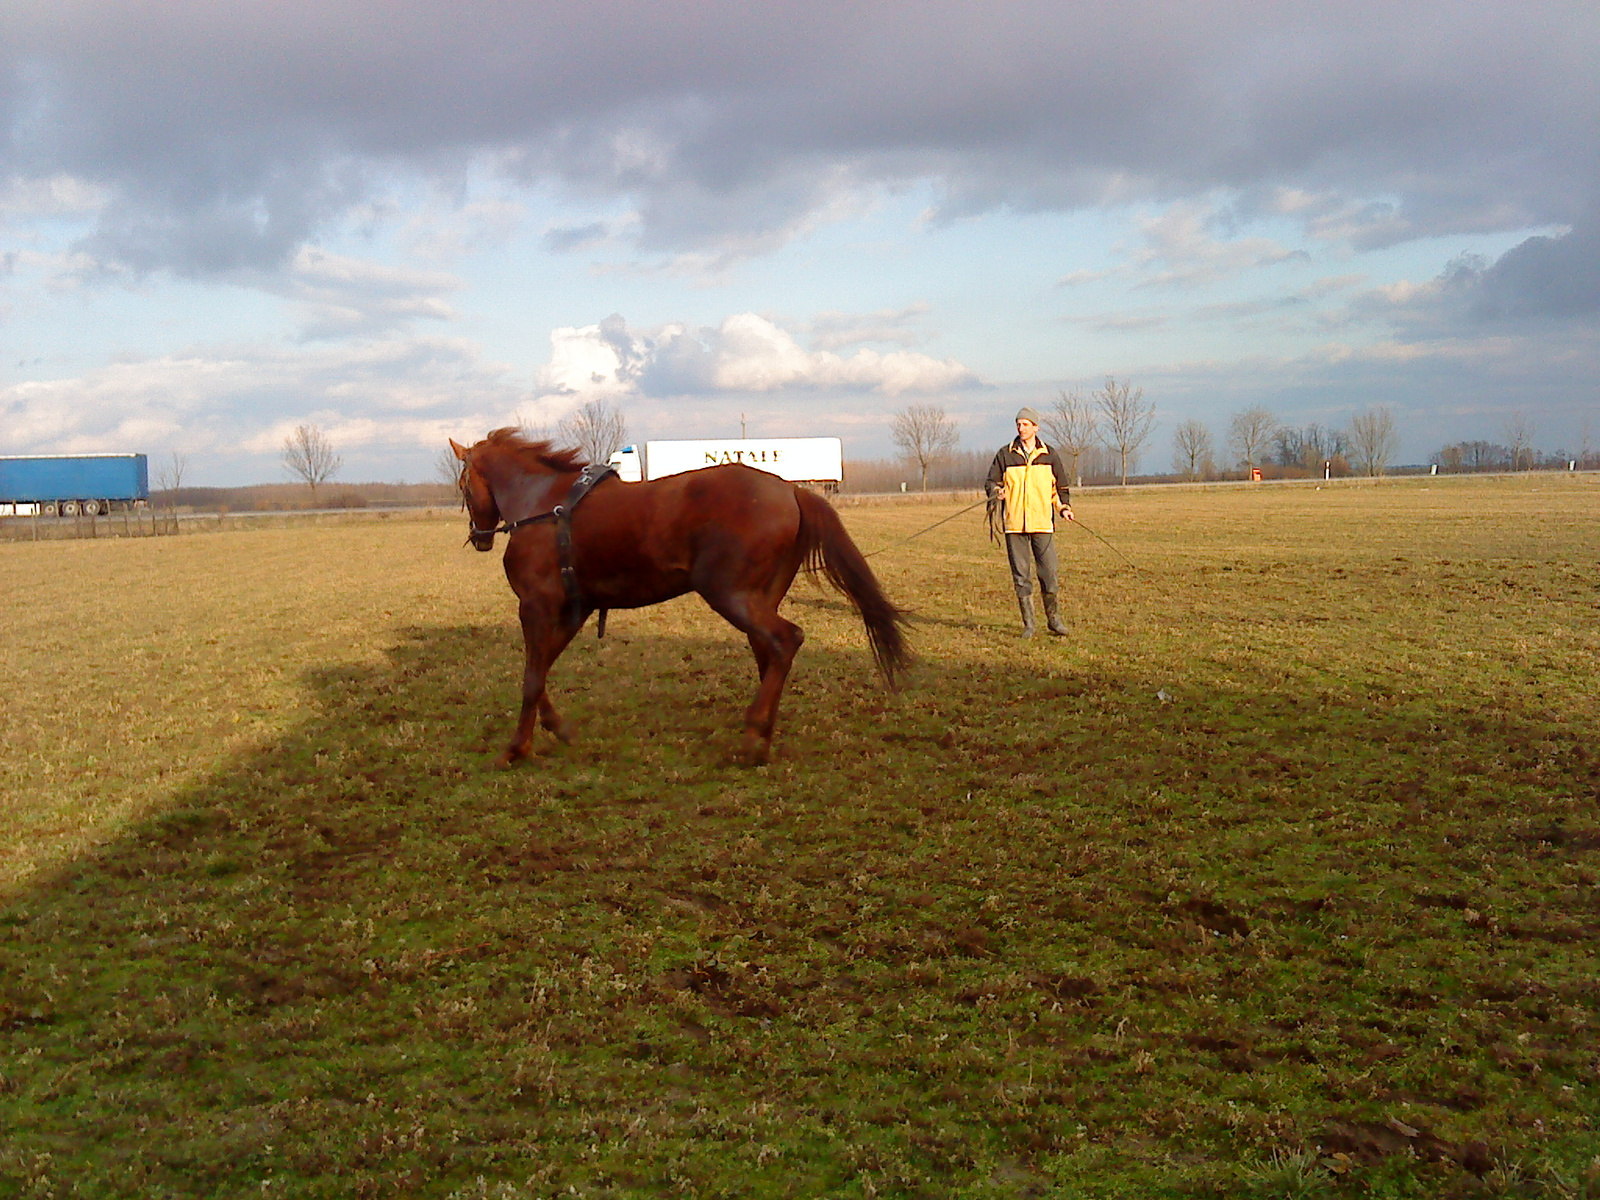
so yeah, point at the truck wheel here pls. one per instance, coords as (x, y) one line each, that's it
(91, 508)
(51, 509)
(69, 508)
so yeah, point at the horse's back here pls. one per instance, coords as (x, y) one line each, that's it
(639, 543)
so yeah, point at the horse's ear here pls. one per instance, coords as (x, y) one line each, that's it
(461, 451)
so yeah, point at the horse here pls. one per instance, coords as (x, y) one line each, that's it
(734, 535)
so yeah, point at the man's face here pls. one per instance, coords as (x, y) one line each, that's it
(1026, 429)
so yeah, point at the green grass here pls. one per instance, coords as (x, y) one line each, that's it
(1281, 877)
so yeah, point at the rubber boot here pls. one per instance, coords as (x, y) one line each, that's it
(1025, 603)
(1052, 615)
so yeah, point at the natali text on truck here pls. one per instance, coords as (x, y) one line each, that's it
(818, 461)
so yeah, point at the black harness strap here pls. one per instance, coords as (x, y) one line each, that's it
(561, 514)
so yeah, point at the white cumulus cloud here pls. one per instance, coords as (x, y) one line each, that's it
(746, 353)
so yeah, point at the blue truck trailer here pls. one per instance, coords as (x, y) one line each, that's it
(71, 484)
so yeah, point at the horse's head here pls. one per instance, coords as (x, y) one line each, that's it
(482, 511)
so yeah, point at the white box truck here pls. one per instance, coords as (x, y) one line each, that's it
(800, 460)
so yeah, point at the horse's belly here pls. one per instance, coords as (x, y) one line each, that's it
(631, 594)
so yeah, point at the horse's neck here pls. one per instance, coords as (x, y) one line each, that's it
(520, 494)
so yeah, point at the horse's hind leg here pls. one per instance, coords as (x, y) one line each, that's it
(775, 642)
(544, 638)
(783, 639)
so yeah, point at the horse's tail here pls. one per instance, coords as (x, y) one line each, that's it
(827, 547)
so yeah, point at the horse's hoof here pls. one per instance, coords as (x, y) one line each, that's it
(563, 733)
(510, 758)
(757, 751)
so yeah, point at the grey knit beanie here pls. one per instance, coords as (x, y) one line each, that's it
(1028, 414)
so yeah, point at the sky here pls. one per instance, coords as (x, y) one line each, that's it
(402, 222)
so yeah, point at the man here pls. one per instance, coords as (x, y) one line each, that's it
(1031, 483)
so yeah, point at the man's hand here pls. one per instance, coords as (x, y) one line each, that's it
(1066, 511)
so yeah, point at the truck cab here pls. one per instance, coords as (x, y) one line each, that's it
(629, 464)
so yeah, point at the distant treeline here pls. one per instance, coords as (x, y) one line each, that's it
(1463, 457)
(963, 469)
(292, 497)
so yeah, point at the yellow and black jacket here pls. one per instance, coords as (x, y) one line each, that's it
(1031, 486)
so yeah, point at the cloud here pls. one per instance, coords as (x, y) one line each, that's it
(1550, 280)
(746, 353)
(57, 196)
(834, 330)
(1082, 276)
(450, 230)
(236, 132)
(565, 239)
(1181, 240)
(384, 402)
(1541, 277)
(1125, 322)
(350, 297)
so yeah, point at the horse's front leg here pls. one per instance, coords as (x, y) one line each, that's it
(544, 637)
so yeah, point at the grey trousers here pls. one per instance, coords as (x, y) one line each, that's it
(1024, 550)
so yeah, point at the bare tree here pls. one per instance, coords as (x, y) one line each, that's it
(1069, 426)
(1480, 455)
(169, 478)
(447, 466)
(309, 455)
(1308, 446)
(1191, 449)
(1519, 439)
(169, 475)
(924, 434)
(1125, 420)
(1372, 438)
(596, 430)
(1249, 432)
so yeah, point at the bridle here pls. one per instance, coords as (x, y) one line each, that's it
(587, 478)
(561, 514)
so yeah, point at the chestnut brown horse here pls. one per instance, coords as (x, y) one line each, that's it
(735, 535)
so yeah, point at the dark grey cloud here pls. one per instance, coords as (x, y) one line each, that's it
(1542, 282)
(1543, 277)
(227, 133)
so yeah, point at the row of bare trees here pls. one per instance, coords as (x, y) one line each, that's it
(596, 430)
(1116, 417)
(1516, 452)
(308, 454)
(1256, 437)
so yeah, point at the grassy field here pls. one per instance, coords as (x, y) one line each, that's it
(1280, 877)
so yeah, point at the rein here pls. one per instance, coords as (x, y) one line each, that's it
(929, 529)
(992, 515)
(513, 526)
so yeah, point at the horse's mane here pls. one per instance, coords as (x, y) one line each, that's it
(535, 455)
